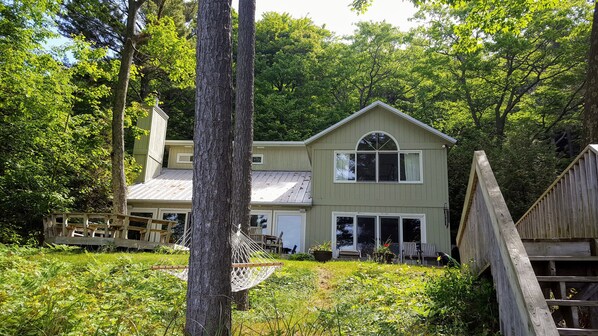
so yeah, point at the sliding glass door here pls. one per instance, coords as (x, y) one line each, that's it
(366, 232)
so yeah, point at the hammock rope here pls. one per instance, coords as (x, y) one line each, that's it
(250, 263)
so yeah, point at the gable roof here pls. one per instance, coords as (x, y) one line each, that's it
(389, 108)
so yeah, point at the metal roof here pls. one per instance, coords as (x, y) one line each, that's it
(267, 188)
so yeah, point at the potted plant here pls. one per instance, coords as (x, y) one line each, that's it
(322, 252)
(383, 254)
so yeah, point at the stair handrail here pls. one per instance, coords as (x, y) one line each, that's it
(487, 236)
(569, 206)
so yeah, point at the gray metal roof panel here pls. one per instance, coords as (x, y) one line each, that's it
(268, 187)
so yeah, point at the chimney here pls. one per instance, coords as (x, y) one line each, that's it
(148, 150)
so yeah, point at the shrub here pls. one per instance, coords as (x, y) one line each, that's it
(301, 256)
(462, 303)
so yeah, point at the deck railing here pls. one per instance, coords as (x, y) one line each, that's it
(569, 207)
(107, 228)
(487, 237)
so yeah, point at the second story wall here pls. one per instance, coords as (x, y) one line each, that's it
(430, 191)
(277, 156)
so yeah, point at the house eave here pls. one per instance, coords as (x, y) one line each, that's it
(364, 110)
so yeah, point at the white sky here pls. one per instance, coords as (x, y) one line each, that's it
(336, 15)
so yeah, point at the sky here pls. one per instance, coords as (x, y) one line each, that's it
(336, 14)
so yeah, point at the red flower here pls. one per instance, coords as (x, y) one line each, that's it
(386, 245)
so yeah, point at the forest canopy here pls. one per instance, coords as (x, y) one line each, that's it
(518, 94)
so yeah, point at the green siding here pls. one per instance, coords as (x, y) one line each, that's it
(172, 155)
(148, 150)
(282, 158)
(427, 198)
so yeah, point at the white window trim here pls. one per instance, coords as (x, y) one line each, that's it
(184, 158)
(270, 220)
(301, 247)
(185, 211)
(154, 211)
(421, 166)
(334, 167)
(421, 217)
(363, 135)
(261, 156)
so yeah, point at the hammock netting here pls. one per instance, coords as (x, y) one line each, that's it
(250, 263)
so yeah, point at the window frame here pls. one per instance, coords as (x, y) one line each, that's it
(269, 220)
(179, 158)
(261, 156)
(186, 211)
(421, 166)
(354, 215)
(356, 152)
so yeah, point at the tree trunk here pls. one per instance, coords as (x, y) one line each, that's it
(240, 211)
(209, 287)
(119, 181)
(590, 118)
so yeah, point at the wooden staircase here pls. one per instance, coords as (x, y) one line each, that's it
(567, 272)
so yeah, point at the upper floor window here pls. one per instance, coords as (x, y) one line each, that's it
(257, 159)
(184, 158)
(377, 158)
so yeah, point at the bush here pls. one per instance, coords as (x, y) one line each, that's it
(301, 256)
(463, 304)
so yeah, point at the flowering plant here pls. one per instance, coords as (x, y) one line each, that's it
(384, 248)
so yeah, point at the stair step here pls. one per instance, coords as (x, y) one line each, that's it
(577, 331)
(566, 278)
(579, 303)
(563, 258)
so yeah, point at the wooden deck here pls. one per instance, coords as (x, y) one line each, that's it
(101, 229)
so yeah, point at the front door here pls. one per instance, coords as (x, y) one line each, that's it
(292, 226)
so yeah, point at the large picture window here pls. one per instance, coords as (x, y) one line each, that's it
(377, 158)
(366, 232)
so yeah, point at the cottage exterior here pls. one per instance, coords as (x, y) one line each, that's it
(376, 176)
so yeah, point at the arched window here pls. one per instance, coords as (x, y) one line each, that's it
(377, 158)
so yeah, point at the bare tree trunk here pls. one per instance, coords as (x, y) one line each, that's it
(590, 118)
(119, 182)
(241, 198)
(209, 287)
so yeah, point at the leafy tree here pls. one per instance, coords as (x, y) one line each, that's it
(289, 88)
(209, 290)
(368, 66)
(54, 129)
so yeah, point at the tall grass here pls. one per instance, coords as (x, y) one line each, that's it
(62, 291)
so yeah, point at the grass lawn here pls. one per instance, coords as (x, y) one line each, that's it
(54, 292)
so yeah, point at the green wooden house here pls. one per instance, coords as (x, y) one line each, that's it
(376, 176)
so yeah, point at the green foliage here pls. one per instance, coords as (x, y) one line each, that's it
(49, 296)
(460, 304)
(325, 246)
(161, 249)
(301, 256)
(60, 290)
(380, 300)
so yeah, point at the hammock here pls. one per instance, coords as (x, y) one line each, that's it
(250, 263)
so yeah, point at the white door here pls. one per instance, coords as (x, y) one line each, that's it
(292, 225)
